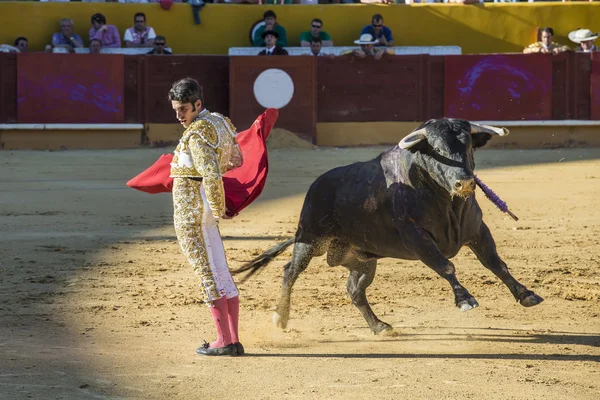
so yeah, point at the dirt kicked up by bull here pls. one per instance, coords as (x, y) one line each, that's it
(415, 201)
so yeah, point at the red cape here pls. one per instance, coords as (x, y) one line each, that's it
(242, 185)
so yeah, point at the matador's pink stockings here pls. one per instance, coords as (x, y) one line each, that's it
(233, 307)
(220, 314)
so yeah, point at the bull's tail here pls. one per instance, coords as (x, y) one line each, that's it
(253, 266)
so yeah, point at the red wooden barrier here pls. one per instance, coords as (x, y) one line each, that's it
(344, 89)
(70, 88)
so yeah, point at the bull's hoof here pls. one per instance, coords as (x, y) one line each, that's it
(279, 320)
(381, 328)
(391, 332)
(467, 304)
(530, 299)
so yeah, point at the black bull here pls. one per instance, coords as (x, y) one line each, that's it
(415, 201)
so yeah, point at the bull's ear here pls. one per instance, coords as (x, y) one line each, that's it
(412, 139)
(481, 134)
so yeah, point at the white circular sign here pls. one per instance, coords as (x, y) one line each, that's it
(273, 88)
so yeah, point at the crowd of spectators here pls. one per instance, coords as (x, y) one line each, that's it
(374, 39)
(101, 35)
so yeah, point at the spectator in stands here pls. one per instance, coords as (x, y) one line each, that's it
(22, 44)
(66, 38)
(585, 38)
(273, 49)
(546, 45)
(315, 32)
(160, 45)
(139, 35)
(95, 46)
(107, 34)
(380, 32)
(316, 45)
(367, 49)
(271, 24)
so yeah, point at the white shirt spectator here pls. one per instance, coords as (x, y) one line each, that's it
(129, 36)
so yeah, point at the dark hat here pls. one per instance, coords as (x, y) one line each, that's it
(271, 32)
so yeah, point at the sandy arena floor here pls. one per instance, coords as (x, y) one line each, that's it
(97, 301)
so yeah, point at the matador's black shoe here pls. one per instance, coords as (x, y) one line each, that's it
(206, 350)
(240, 349)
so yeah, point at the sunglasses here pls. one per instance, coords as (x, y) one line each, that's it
(316, 26)
(159, 44)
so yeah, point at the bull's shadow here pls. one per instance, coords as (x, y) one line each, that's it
(472, 356)
(552, 338)
(501, 335)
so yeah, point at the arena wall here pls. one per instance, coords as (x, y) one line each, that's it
(334, 102)
(486, 28)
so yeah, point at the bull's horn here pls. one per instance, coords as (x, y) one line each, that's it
(492, 130)
(412, 138)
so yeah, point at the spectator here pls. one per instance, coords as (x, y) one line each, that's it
(139, 35)
(380, 32)
(108, 35)
(95, 46)
(367, 49)
(271, 24)
(315, 32)
(585, 38)
(22, 44)
(160, 45)
(316, 45)
(546, 45)
(66, 38)
(270, 38)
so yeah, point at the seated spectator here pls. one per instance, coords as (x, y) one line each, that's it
(315, 32)
(316, 45)
(585, 38)
(160, 45)
(380, 32)
(22, 44)
(271, 24)
(367, 49)
(139, 35)
(95, 46)
(66, 38)
(108, 35)
(546, 45)
(270, 38)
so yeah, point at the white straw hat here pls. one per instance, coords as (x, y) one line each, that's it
(582, 35)
(366, 38)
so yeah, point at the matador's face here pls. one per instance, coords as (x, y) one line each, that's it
(186, 112)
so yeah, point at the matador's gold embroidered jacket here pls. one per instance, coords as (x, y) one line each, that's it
(207, 150)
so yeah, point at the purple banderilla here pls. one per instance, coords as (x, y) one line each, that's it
(493, 197)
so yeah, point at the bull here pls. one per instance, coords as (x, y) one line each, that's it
(415, 201)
